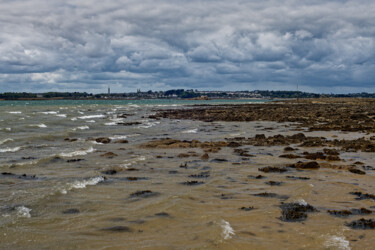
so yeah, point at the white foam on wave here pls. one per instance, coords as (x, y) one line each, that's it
(130, 162)
(301, 202)
(337, 242)
(148, 124)
(23, 211)
(6, 140)
(77, 153)
(191, 131)
(90, 121)
(82, 184)
(5, 150)
(118, 137)
(81, 128)
(15, 112)
(61, 115)
(38, 125)
(49, 112)
(110, 123)
(227, 230)
(91, 116)
(74, 119)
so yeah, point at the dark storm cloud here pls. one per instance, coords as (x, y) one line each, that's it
(326, 46)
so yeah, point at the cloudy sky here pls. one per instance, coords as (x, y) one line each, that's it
(80, 45)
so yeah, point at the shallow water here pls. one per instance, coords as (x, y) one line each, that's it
(74, 205)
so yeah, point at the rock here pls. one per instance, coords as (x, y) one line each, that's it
(109, 172)
(143, 194)
(74, 160)
(123, 141)
(287, 149)
(357, 171)
(182, 155)
(162, 214)
(109, 155)
(103, 140)
(292, 212)
(274, 183)
(192, 183)
(362, 224)
(273, 169)
(118, 229)
(289, 156)
(305, 165)
(247, 208)
(257, 177)
(297, 178)
(205, 156)
(71, 211)
(363, 196)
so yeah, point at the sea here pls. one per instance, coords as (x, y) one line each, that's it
(61, 188)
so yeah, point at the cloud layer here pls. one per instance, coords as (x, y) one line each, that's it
(80, 45)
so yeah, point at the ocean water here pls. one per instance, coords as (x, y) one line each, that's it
(56, 190)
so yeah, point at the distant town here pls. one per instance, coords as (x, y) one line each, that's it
(176, 94)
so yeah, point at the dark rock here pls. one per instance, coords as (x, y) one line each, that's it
(71, 211)
(290, 156)
(103, 140)
(109, 172)
(74, 160)
(356, 171)
(362, 196)
(257, 177)
(292, 212)
(362, 224)
(118, 229)
(305, 165)
(287, 149)
(205, 156)
(129, 123)
(173, 172)
(162, 214)
(274, 183)
(368, 168)
(219, 160)
(143, 194)
(122, 141)
(109, 155)
(273, 169)
(297, 178)
(247, 208)
(192, 183)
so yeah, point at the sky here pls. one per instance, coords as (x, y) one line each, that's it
(324, 46)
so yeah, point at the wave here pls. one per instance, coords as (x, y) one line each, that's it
(191, 131)
(61, 115)
(82, 184)
(91, 116)
(130, 162)
(338, 242)
(49, 112)
(15, 149)
(38, 125)
(227, 230)
(91, 121)
(81, 128)
(23, 211)
(15, 112)
(6, 140)
(77, 153)
(148, 124)
(118, 137)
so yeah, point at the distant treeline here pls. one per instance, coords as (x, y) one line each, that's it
(178, 93)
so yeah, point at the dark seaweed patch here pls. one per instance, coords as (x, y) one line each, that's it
(273, 169)
(292, 212)
(247, 208)
(143, 194)
(362, 224)
(274, 183)
(362, 196)
(297, 178)
(109, 172)
(71, 211)
(118, 229)
(192, 183)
